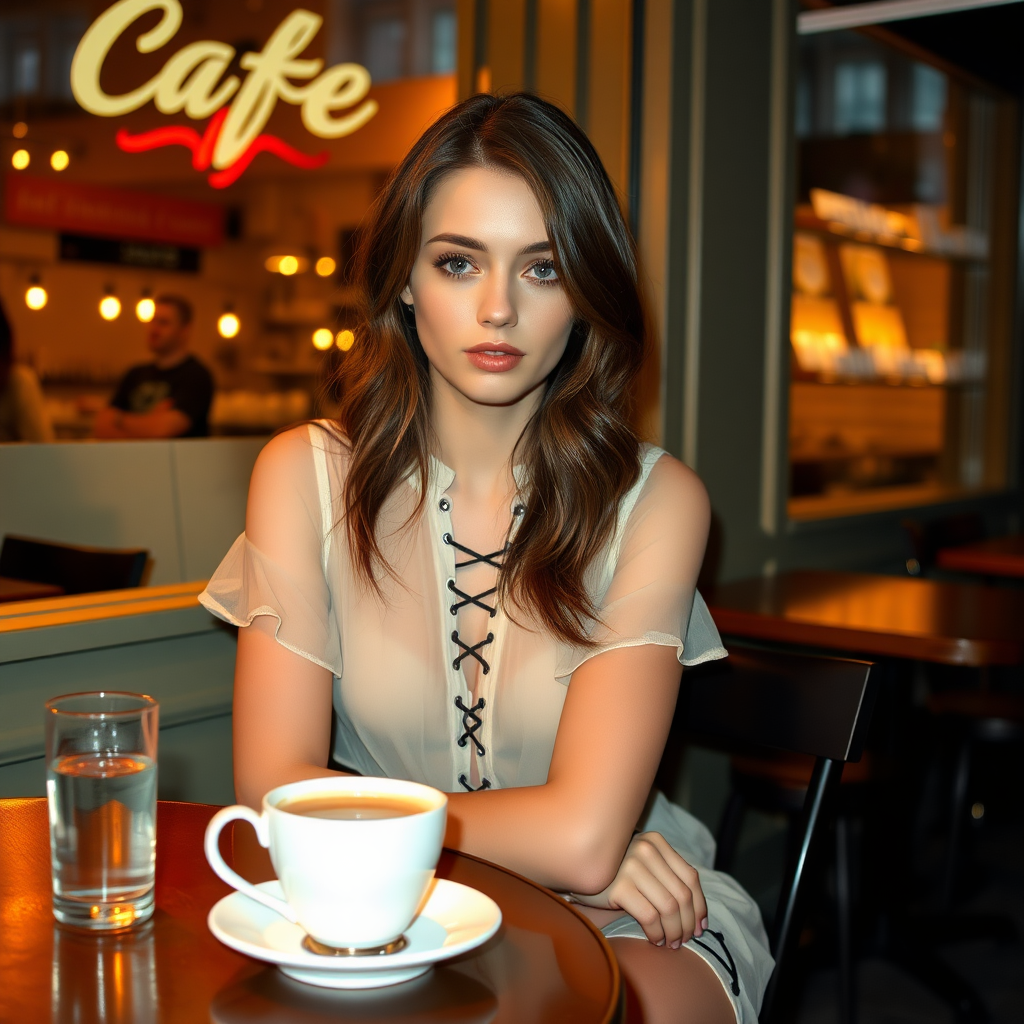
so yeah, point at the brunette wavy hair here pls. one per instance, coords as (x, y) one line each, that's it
(580, 453)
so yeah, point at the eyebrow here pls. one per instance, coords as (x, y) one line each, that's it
(474, 243)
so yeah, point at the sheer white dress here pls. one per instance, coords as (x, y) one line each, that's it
(399, 698)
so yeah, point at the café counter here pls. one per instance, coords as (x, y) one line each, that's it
(155, 640)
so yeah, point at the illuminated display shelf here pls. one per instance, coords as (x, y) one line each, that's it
(805, 220)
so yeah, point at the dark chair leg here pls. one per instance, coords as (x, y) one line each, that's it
(958, 812)
(729, 832)
(847, 976)
(819, 803)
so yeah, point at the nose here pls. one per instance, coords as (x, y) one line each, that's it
(497, 305)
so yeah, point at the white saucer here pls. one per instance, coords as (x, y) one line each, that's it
(454, 920)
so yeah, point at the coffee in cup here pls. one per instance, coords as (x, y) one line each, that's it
(355, 856)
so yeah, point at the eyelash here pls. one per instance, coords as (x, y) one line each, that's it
(450, 257)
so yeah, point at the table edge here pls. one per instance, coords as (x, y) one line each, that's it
(613, 1013)
(864, 642)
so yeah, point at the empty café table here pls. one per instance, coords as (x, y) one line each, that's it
(899, 621)
(880, 616)
(547, 962)
(1000, 556)
(26, 590)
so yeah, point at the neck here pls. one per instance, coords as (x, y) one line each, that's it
(171, 359)
(476, 441)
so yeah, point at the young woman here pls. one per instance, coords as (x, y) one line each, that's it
(481, 567)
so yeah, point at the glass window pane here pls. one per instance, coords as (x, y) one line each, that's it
(442, 53)
(893, 327)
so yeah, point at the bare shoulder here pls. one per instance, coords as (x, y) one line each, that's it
(674, 485)
(290, 451)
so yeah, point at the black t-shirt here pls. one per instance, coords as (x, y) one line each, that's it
(188, 385)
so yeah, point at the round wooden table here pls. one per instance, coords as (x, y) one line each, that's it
(547, 962)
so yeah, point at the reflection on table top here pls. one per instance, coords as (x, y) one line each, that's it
(26, 590)
(1000, 556)
(547, 963)
(861, 613)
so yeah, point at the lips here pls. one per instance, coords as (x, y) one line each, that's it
(495, 356)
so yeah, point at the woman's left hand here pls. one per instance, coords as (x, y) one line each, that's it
(658, 888)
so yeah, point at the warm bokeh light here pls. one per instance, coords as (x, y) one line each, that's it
(345, 340)
(145, 308)
(20, 160)
(36, 297)
(20, 130)
(110, 307)
(59, 159)
(228, 325)
(323, 339)
(325, 266)
(286, 265)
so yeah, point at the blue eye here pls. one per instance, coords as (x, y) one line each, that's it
(453, 264)
(544, 272)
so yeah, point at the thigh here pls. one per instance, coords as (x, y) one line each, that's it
(670, 986)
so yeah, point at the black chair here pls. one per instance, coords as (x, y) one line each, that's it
(758, 700)
(74, 568)
(926, 539)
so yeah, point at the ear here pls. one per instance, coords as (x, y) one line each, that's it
(406, 295)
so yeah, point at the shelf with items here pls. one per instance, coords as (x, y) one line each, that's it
(918, 229)
(860, 313)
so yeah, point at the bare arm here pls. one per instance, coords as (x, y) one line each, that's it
(570, 833)
(163, 421)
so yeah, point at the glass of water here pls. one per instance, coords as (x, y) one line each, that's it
(101, 790)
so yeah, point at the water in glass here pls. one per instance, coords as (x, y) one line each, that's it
(102, 837)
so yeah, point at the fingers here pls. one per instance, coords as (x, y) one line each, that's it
(661, 890)
(687, 873)
(655, 907)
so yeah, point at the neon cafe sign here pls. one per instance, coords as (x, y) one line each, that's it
(333, 102)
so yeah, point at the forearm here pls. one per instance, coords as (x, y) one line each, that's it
(572, 832)
(541, 832)
(113, 424)
(157, 424)
(107, 425)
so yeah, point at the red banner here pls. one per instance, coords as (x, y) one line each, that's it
(110, 212)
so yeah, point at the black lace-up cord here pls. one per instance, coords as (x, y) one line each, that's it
(471, 599)
(471, 721)
(475, 556)
(730, 966)
(471, 652)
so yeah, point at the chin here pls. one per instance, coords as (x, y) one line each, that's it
(500, 392)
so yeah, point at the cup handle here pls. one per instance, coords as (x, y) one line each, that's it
(235, 880)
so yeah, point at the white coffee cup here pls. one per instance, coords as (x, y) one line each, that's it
(352, 884)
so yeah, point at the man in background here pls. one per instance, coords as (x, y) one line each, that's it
(169, 397)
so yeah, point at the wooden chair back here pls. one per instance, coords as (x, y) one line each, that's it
(74, 568)
(765, 700)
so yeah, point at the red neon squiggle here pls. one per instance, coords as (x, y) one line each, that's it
(267, 144)
(201, 147)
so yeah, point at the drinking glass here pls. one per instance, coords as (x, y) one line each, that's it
(101, 790)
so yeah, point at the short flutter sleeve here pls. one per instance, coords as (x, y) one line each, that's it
(645, 589)
(277, 567)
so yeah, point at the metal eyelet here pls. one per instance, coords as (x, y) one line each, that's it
(446, 537)
(444, 504)
(519, 510)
